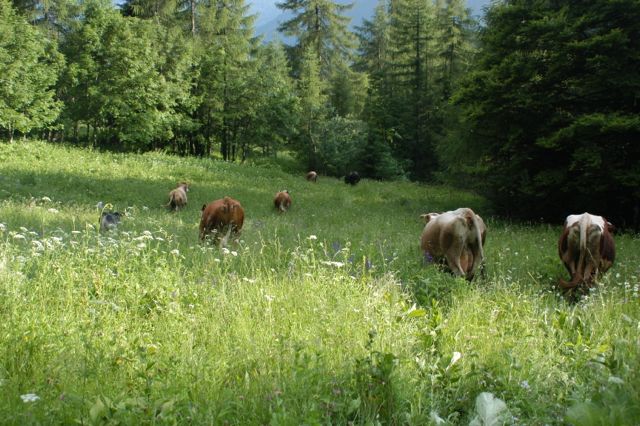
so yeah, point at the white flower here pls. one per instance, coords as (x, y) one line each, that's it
(333, 263)
(313, 237)
(234, 253)
(454, 358)
(45, 198)
(525, 385)
(216, 260)
(29, 397)
(141, 245)
(175, 252)
(18, 237)
(23, 229)
(225, 250)
(3, 227)
(52, 210)
(616, 380)
(490, 410)
(38, 245)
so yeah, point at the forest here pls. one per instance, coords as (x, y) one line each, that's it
(536, 106)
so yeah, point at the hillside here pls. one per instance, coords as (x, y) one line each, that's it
(325, 314)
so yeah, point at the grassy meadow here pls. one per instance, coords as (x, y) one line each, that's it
(324, 315)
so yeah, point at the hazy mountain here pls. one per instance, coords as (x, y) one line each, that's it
(269, 16)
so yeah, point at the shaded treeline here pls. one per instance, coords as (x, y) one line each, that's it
(537, 108)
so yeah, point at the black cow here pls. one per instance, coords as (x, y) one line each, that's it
(352, 178)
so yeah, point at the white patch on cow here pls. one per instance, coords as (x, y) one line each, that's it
(575, 218)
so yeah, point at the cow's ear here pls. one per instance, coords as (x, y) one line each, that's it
(204, 206)
(428, 216)
(117, 214)
(610, 227)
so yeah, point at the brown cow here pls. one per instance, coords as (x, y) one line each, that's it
(178, 196)
(586, 248)
(282, 201)
(456, 237)
(312, 176)
(221, 216)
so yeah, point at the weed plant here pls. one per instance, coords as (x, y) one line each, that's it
(324, 315)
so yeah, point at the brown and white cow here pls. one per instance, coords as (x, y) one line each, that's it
(312, 176)
(282, 201)
(178, 196)
(223, 216)
(586, 248)
(456, 237)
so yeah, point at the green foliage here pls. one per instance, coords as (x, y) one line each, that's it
(321, 26)
(414, 53)
(29, 66)
(551, 108)
(341, 142)
(121, 86)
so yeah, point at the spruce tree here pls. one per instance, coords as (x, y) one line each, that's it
(552, 108)
(29, 66)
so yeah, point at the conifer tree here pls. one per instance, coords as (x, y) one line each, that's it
(29, 66)
(225, 44)
(321, 26)
(552, 108)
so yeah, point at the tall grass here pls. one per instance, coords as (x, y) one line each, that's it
(325, 314)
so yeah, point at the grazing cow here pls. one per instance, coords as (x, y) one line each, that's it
(586, 248)
(312, 176)
(456, 237)
(282, 201)
(352, 178)
(109, 221)
(220, 216)
(178, 196)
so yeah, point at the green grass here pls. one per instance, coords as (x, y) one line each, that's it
(325, 314)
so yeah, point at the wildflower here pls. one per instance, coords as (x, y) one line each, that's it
(52, 210)
(45, 198)
(313, 237)
(454, 358)
(141, 245)
(525, 385)
(175, 252)
(3, 227)
(29, 397)
(616, 380)
(234, 253)
(225, 250)
(23, 229)
(19, 237)
(38, 245)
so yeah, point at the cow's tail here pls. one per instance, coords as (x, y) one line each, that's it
(474, 227)
(172, 201)
(577, 279)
